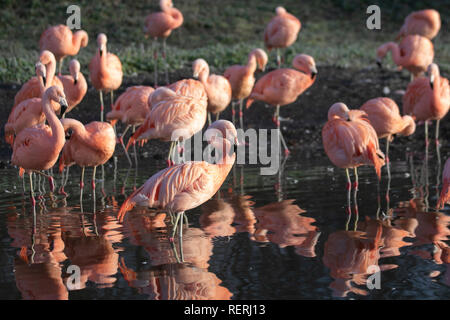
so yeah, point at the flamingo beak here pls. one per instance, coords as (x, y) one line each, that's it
(379, 63)
(101, 52)
(64, 105)
(432, 81)
(44, 80)
(75, 81)
(195, 75)
(313, 72)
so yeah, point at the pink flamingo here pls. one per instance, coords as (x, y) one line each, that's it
(350, 141)
(282, 31)
(177, 112)
(217, 88)
(428, 98)
(32, 89)
(62, 42)
(283, 86)
(185, 186)
(384, 116)
(89, 145)
(242, 78)
(414, 53)
(425, 23)
(37, 148)
(445, 193)
(131, 108)
(160, 25)
(75, 85)
(105, 71)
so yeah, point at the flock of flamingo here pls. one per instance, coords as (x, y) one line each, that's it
(350, 137)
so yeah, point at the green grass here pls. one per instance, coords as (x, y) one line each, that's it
(333, 32)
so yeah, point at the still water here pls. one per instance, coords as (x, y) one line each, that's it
(286, 236)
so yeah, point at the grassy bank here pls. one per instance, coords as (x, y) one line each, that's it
(222, 32)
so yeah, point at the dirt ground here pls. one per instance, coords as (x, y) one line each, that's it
(303, 119)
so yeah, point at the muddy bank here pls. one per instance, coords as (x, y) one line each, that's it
(303, 120)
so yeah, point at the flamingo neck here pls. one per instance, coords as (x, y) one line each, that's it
(78, 128)
(79, 39)
(53, 121)
(252, 63)
(203, 76)
(395, 50)
(50, 72)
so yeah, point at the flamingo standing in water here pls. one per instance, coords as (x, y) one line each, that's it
(75, 85)
(160, 25)
(242, 78)
(32, 89)
(283, 86)
(131, 108)
(384, 116)
(91, 145)
(428, 98)
(37, 148)
(105, 71)
(425, 23)
(186, 186)
(177, 113)
(62, 42)
(281, 32)
(445, 193)
(414, 53)
(350, 141)
(217, 88)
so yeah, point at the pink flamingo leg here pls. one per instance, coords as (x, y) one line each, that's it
(33, 200)
(101, 106)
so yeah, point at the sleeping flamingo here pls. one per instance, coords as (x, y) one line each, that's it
(384, 116)
(428, 98)
(350, 141)
(283, 86)
(185, 186)
(425, 23)
(178, 109)
(31, 88)
(414, 53)
(281, 32)
(160, 25)
(131, 108)
(445, 193)
(89, 145)
(217, 88)
(242, 78)
(75, 85)
(105, 71)
(37, 148)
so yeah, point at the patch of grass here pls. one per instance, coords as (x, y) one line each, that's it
(222, 32)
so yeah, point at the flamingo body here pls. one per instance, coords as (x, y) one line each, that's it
(282, 30)
(75, 85)
(445, 193)
(425, 23)
(161, 24)
(62, 42)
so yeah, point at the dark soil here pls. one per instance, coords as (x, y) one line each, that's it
(303, 119)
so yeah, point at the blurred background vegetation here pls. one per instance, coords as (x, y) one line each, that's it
(222, 32)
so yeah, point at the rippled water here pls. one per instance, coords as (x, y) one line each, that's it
(261, 237)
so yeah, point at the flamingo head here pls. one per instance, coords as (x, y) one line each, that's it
(261, 58)
(163, 4)
(306, 64)
(46, 57)
(433, 73)
(280, 10)
(382, 51)
(219, 132)
(56, 94)
(410, 126)
(74, 68)
(199, 66)
(101, 42)
(160, 94)
(338, 111)
(41, 72)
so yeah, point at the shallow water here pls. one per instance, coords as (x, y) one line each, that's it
(261, 237)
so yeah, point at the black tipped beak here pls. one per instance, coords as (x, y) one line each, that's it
(379, 64)
(44, 80)
(63, 109)
(101, 53)
(432, 85)
(75, 81)
(313, 75)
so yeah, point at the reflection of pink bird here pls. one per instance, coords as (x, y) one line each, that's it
(179, 110)
(31, 89)
(75, 85)
(186, 186)
(131, 108)
(160, 25)
(105, 71)
(350, 141)
(282, 31)
(414, 53)
(445, 193)
(425, 23)
(283, 86)
(384, 116)
(37, 148)
(428, 98)
(217, 88)
(89, 146)
(62, 42)
(242, 78)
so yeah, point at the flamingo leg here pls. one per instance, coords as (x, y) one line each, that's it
(169, 157)
(123, 145)
(50, 179)
(175, 226)
(426, 140)
(134, 150)
(349, 190)
(60, 66)
(388, 167)
(355, 197)
(437, 142)
(101, 105)
(209, 118)
(33, 201)
(112, 100)
(155, 58)
(180, 237)
(241, 114)
(217, 115)
(165, 61)
(93, 178)
(81, 186)
(278, 58)
(233, 112)
(277, 121)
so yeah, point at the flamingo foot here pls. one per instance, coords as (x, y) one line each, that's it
(168, 162)
(355, 185)
(93, 185)
(233, 112)
(438, 144)
(348, 186)
(62, 192)
(51, 182)
(33, 201)
(103, 192)
(286, 152)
